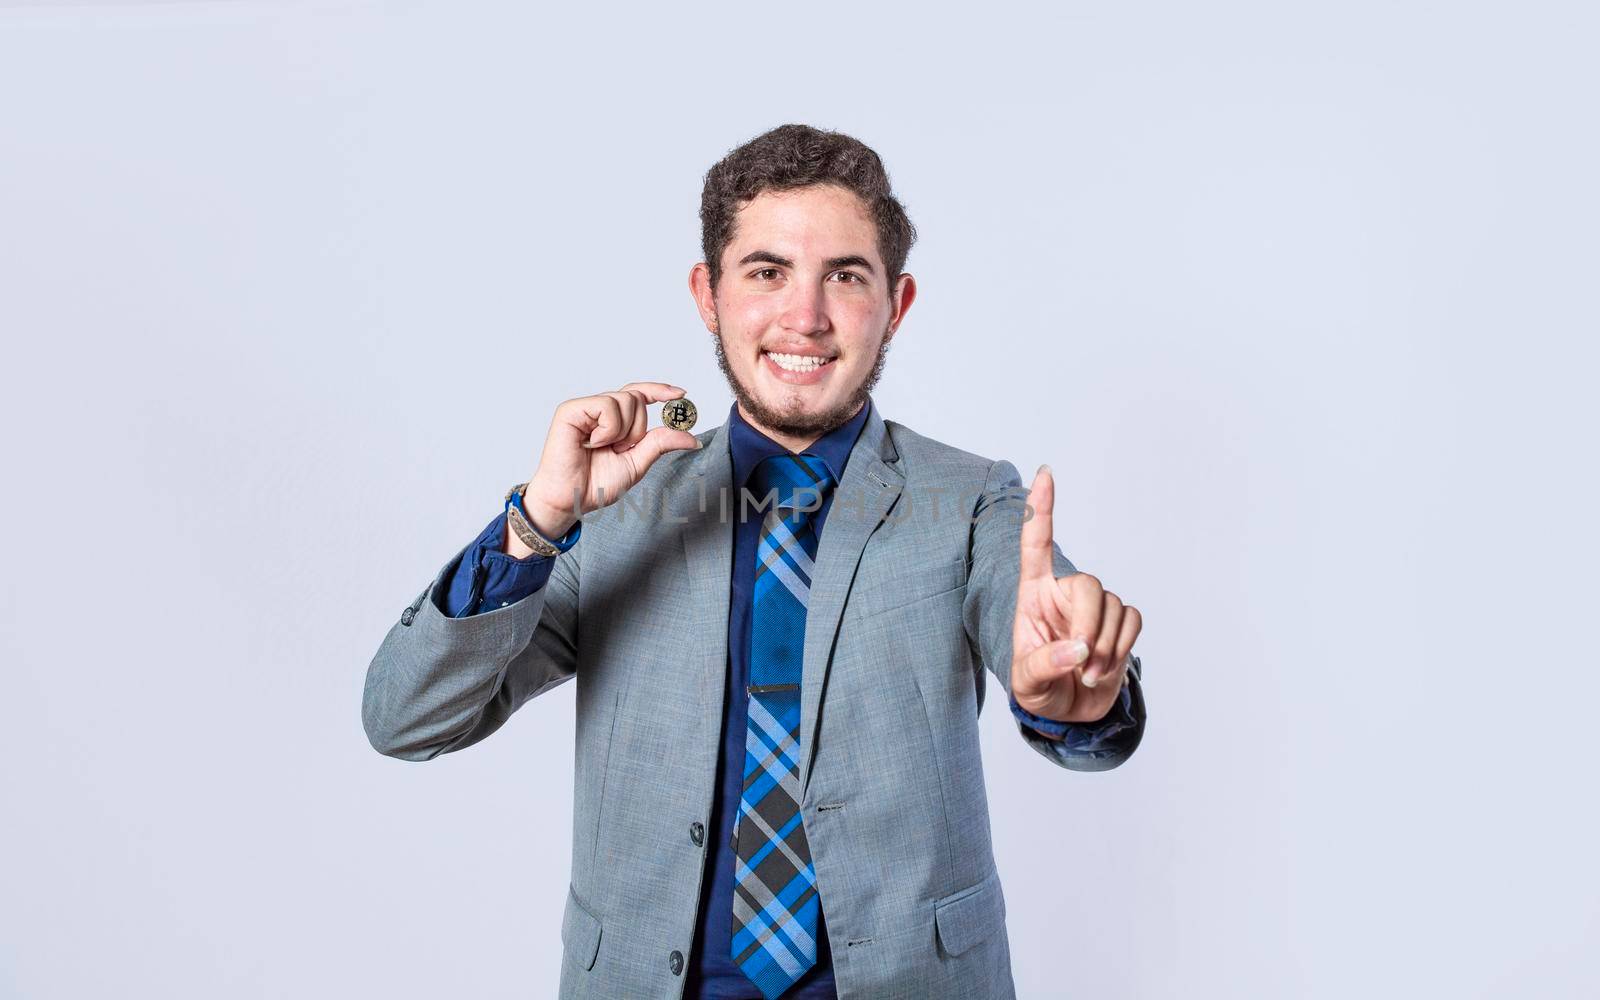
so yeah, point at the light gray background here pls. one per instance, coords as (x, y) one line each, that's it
(1300, 307)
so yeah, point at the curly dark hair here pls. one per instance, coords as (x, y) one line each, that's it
(795, 156)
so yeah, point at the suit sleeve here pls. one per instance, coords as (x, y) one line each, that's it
(988, 614)
(440, 683)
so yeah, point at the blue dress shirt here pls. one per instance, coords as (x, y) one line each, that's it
(489, 578)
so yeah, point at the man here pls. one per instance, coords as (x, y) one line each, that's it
(779, 629)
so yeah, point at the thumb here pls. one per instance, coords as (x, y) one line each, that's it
(1045, 666)
(657, 443)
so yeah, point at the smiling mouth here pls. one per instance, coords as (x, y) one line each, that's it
(798, 363)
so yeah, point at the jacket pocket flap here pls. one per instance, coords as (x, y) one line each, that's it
(580, 931)
(868, 601)
(967, 917)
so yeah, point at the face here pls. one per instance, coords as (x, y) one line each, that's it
(803, 313)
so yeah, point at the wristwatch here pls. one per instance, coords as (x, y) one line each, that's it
(517, 517)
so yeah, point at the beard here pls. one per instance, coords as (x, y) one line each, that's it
(801, 424)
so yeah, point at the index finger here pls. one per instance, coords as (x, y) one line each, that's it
(655, 392)
(1038, 531)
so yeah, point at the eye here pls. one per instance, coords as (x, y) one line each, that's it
(766, 274)
(855, 279)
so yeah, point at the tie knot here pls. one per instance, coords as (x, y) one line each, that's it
(805, 474)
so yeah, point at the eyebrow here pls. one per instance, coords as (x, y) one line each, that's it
(768, 257)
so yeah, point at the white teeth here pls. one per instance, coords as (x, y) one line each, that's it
(798, 362)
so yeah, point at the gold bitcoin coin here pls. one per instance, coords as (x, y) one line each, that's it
(679, 414)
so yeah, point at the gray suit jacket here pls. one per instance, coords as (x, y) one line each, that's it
(908, 606)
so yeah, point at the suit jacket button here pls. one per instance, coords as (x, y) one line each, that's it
(697, 834)
(407, 616)
(675, 963)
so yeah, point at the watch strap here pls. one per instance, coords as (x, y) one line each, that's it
(517, 517)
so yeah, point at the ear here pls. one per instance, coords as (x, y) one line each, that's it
(904, 293)
(704, 300)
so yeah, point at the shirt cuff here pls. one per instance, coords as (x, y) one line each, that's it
(488, 578)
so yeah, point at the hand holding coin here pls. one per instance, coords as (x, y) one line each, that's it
(597, 449)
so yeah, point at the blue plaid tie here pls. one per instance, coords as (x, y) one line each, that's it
(775, 902)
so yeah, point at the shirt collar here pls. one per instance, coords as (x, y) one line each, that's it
(750, 446)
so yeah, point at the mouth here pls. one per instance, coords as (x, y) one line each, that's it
(798, 362)
(798, 369)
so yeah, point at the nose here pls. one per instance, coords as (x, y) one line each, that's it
(806, 310)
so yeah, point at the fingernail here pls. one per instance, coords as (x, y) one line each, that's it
(1090, 679)
(1070, 653)
(1045, 468)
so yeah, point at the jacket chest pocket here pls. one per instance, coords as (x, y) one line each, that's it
(885, 588)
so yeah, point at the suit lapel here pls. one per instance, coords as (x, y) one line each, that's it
(707, 535)
(873, 476)
(871, 485)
